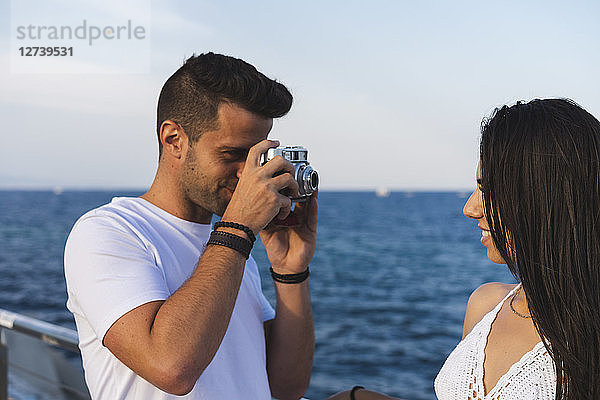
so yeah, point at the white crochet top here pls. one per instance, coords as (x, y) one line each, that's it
(461, 378)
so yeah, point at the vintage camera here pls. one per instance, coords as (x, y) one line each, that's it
(307, 178)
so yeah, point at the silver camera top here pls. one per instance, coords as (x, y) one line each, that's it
(290, 153)
(305, 175)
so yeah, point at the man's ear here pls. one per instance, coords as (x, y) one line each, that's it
(173, 139)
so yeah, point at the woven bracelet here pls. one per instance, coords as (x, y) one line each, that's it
(290, 278)
(354, 390)
(226, 239)
(239, 227)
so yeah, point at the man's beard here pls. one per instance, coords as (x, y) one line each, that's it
(220, 202)
(202, 190)
(213, 198)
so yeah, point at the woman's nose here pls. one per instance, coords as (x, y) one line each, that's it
(474, 206)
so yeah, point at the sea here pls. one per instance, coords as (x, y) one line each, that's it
(390, 280)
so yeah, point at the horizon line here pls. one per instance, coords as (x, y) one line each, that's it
(62, 189)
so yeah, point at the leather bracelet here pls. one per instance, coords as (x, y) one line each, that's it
(226, 239)
(290, 278)
(354, 390)
(235, 225)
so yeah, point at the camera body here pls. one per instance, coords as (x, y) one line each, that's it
(305, 175)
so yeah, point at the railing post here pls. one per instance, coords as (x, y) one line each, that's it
(3, 367)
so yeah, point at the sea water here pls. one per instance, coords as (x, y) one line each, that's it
(389, 280)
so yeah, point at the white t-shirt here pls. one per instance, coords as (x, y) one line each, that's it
(130, 252)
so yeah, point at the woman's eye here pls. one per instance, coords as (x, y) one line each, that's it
(480, 185)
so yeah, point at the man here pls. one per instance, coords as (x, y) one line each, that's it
(161, 312)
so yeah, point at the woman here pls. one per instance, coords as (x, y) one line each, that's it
(537, 203)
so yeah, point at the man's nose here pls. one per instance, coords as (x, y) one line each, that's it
(240, 169)
(474, 206)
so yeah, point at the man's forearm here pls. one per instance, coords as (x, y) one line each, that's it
(201, 308)
(188, 328)
(291, 342)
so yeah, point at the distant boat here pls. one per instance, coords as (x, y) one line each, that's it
(382, 192)
(57, 190)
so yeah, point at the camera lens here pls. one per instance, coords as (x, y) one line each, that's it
(314, 180)
(309, 180)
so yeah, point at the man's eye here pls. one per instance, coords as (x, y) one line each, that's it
(232, 155)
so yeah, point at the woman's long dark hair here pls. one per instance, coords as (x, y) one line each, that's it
(540, 166)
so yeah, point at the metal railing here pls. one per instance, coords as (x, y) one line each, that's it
(48, 333)
(11, 326)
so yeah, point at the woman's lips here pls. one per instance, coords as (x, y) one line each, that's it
(485, 236)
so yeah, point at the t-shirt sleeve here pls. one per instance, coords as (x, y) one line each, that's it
(268, 313)
(109, 271)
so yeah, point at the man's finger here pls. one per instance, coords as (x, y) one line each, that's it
(255, 152)
(300, 209)
(286, 181)
(313, 211)
(286, 208)
(291, 220)
(278, 164)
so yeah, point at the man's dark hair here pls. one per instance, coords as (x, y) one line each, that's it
(191, 96)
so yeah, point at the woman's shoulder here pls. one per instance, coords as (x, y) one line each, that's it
(482, 301)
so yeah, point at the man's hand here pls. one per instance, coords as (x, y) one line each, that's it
(257, 198)
(290, 249)
(290, 336)
(256, 202)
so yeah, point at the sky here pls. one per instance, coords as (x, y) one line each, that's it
(386, 93)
